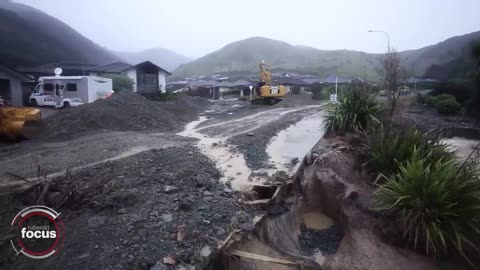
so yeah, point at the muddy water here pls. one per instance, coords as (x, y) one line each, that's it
(232, 166)
(212, 141)
(295, 141)
(462, 146)
(317, 220)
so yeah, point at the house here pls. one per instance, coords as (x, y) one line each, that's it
(11, 86)
(148, 77)
(290, 82)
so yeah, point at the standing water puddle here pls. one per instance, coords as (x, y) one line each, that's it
(295, 141)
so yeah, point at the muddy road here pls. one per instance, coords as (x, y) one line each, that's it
(131, 198)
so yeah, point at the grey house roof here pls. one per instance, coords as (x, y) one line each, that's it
(116, 67)
(239, 83)
(149, 64)
(49, 68)
(15, 74)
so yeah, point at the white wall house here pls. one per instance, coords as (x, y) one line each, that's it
(148, 77)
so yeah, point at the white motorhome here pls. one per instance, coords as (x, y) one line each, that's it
(66, 91)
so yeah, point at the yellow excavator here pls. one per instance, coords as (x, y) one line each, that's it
(19, 123)
(266, 93)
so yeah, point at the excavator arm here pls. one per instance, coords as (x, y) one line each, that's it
(265, 75)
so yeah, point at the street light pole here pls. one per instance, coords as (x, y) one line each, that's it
(388, 37)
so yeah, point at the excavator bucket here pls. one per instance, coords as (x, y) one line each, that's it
(20, 123)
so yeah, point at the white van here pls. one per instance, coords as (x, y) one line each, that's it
(66, 91)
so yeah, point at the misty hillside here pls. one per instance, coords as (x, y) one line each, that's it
(162, 57)
(31, 37)
(448, 59)
(244, 55)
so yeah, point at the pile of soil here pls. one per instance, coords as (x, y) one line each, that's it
(195, 103)
(124, 111)
(133, 213)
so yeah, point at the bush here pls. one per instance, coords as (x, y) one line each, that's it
(386, 152)
(437, 205)
(356, 111)
(120, 82)
(442, 97)
(461, 90)
(429, 100)
(448, 106)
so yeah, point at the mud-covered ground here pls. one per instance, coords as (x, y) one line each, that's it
(254, 144)
(128, 214)
(134, 193)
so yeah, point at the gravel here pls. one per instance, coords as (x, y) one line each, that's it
(125, 111)
(254, 144)
(120, 208)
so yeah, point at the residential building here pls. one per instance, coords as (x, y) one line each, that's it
(11, 86)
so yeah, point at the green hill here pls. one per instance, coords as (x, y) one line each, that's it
(244, 56)
(31, 37)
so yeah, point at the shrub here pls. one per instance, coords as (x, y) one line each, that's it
(442, 97)
(437, 204)
(429, 100)
(120, 82)
(356, 111)
(462, 90)
(386, 152)
(448, 106)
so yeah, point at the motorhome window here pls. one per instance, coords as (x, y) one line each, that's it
(48, 87)
(72, 87)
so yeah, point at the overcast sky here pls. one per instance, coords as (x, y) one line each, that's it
(195, 28)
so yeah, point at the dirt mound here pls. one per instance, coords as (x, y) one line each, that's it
(195, 103)
(125, 111)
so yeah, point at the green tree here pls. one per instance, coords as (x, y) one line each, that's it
(120, 82)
